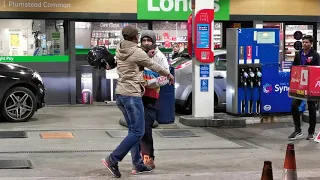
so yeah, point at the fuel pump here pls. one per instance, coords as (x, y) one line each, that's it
(256, 50)
(244, 83)
(258, 82)
(251, 81)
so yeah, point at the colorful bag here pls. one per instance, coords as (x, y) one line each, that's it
(154, 82)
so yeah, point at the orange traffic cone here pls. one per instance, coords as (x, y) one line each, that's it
(267, 171)
(290, 172)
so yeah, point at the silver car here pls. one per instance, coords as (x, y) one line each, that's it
(183, 81)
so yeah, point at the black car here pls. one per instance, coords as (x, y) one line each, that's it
(22, 92)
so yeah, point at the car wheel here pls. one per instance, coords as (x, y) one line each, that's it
(188, 109)
(18, 105)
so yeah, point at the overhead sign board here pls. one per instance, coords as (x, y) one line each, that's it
(177, 9)
(92, 6)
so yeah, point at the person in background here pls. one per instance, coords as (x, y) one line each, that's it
(306, 56)
(154, 82)
(177, 51)
(131, 60)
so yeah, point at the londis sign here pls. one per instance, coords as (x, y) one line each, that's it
(177, 9)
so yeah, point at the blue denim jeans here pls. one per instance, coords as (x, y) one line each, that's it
(133, 111)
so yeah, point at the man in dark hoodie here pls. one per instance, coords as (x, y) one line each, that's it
(151, 95)
(307, 56)
(131, 61)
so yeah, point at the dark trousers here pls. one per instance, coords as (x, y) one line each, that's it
(296, 115)
(149, 116)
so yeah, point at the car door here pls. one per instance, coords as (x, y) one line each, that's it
(220, 77)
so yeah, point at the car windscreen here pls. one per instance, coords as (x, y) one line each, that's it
(221, 65)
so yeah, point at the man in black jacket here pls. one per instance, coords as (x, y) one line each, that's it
(307, 56)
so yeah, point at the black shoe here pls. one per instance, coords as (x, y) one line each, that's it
(311, 136)
(113, 168)
(142, 169)
(295, 135)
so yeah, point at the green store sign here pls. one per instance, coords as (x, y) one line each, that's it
(177, 9)
(33, 59)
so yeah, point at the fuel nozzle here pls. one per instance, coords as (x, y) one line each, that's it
(252, 75)
(245, 75)
(259, 75)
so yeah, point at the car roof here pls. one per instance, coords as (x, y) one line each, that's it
(220, 51)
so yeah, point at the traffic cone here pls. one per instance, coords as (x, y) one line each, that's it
(267, 171)
(289, 172)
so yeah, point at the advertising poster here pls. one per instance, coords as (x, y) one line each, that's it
(86, 88)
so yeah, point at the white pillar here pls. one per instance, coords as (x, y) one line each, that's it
(202, 102)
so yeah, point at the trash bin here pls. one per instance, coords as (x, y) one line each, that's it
(166, 104)
(86, 85)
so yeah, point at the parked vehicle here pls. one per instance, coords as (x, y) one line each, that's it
(183, 81)
(22, 92)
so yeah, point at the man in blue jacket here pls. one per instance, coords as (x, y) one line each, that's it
(306, 56)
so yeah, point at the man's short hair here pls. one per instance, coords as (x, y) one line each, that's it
(308, 37)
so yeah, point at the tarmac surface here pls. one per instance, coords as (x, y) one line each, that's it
(207, 154)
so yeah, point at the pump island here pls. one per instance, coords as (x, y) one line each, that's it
(15, 4)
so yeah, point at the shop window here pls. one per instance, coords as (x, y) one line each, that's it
(292, 44)
(31, 37)
(221, 62)
(169, 33)
(90, 34)
(289, 44)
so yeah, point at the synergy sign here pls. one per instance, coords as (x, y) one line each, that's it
(279, 88)
(177, 9)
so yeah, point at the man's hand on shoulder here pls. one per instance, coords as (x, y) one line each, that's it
(171, 79)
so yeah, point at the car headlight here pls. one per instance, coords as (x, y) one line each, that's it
(37, 76)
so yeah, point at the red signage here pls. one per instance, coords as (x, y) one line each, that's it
(190, 48)
(203, 36)
(302, 84)
(249, 54)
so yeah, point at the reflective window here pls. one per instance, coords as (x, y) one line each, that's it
(90, 34)
(31, 37)
(220, 62)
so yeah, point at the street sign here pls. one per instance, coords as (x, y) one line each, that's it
(204, 70)
(204, 86)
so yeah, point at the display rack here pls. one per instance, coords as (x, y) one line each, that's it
(169, 33)
(109, 34)
(217, 35)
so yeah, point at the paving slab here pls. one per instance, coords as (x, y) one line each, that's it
(215, 154)
(203, 164)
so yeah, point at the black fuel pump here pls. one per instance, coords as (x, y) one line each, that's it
(251, 81)
(258, 82)
(244, 82)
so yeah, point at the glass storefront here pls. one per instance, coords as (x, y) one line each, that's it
(89, 34)
(106, 34)
(289, 43)
(292, 43)
(31, 37)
